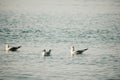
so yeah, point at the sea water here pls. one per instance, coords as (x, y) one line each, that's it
(58, 25)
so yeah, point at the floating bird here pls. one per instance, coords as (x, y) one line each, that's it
(73, 52)
(46, 53)
(8, 48)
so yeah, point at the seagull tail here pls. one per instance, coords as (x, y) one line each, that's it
(19, 46)
(85, 49)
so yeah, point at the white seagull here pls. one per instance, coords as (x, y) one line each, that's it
(8, 48)
(46, 53)
(73, 52)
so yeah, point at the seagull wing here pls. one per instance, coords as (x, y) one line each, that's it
(81, 51)
(14, 48)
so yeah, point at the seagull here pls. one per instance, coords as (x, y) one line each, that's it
(8, 48)
(73, 52)
(46, 53)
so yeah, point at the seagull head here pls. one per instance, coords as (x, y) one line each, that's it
(44, 50)
(72, 48)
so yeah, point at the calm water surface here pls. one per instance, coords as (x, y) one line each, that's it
(97, 30)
